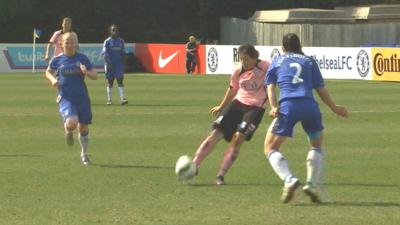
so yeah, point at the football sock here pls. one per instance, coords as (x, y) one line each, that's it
(109, 93)
(84, 141)
(204, 149)
(315, 160)
(280, 165)
(121, 92)
(230, 156)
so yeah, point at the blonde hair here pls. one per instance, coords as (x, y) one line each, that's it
(192, 38)
(70, 34)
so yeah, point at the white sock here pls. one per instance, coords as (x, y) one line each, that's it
(84, 141)
(315, 161)
(280, 165)
(109, 93)
(121, 92)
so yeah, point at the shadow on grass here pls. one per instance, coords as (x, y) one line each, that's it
(362, 185)
(142, 105)
(19, 155)
(357, 204)
(194, 184)
(119, 166)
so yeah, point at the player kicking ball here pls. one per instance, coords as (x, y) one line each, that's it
(114, 57)
(296, 75)
(67, 73)
(239, 113)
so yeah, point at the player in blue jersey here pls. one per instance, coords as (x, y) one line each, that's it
(67, 73)
(114, 57)
(296, 75)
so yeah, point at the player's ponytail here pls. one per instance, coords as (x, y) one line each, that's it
(291, 43)
(249, 50)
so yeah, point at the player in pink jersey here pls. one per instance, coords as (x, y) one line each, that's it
(56, 39)
(240, 111)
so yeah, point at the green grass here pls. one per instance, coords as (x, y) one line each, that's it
(134, 149)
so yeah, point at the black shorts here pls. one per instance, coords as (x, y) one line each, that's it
(238, 117)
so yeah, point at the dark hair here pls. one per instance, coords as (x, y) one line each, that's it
(291, 43)
(249, 50)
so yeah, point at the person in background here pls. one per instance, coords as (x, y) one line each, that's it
(191, 55)
(56, 40)
(114, 58)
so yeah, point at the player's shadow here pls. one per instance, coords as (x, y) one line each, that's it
(356, 204)
(19, 155)
(120, 166)
(143, 105)
(195, 184)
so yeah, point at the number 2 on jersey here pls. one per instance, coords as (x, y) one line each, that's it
(296, 78)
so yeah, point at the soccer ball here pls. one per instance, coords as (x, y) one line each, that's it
(185, 168)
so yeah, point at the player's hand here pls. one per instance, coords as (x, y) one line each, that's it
(54, 83)
(215, 110)
(341, 111)
(274, 112)
(109, 66)
(47, 58)
(83, 69)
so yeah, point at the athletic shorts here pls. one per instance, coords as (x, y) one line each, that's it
(79, 107)
(114, 72)
(238, 117)
(292, 111)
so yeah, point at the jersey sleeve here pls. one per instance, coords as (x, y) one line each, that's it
(85, 61)
(234, 83)
(270, 77)
(318, 80)
(53, 38)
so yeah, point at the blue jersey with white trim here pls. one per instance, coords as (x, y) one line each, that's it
(295, 75)
(114, 51)
(70, 77)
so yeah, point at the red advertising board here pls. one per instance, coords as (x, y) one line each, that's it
(168, 58)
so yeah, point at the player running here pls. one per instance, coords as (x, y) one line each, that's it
(67, 73)
(240, 111)
(114, 56)
(296, 75)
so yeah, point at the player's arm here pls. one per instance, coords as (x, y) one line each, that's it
(273, 102)
(106, 56)
(48, 47)
(51, 76)
(91, 74)
(326, 98)
(229, 95)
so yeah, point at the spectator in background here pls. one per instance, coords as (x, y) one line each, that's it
(114, 57)
(191, 55)
(56, 39)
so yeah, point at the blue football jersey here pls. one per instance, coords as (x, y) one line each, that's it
(70, 77)
(114, 51)
(296, 76)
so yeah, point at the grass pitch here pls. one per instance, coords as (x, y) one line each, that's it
(134, 149)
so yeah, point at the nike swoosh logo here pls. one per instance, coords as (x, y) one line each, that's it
(163, 62)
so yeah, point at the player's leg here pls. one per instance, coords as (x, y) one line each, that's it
(281, 128)
(248, 124)
(110, 84)
(230, 155)
(85, 118)
(188, 63)
(84, 142)
(69, 115)
(193, 64)
(315, 158)
(207, 146)
(120, 82)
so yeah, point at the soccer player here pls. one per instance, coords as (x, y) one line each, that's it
(296, 75)
(56, 39)
(240, 111)
(67, 73)
(114, 56)
(191, 55)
